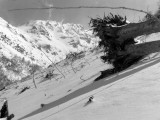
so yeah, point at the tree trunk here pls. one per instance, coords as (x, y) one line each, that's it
(133, 30)
(143, 49)
(34, 82)
(73, 67)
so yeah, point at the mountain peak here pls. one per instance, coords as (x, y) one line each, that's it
(36, 40)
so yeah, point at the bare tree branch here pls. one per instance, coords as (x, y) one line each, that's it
(53, 63)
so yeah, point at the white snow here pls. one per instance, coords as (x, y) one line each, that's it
(130, 95)
(37, 40)
(134, 96)
(44, 32)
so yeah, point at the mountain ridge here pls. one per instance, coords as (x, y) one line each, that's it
(31, 44)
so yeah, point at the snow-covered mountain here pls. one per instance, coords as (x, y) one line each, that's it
(57, 39)
(31, 43)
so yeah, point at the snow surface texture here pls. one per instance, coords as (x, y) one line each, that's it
(35, 40)
(130, 95)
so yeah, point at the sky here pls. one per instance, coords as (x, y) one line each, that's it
(77, 16)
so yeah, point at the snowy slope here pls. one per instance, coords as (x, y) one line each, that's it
(32, 42)
(132, 95)
(64, 37)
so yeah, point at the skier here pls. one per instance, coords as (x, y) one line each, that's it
(90, 99)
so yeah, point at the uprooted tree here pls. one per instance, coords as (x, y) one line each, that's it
(117, 39)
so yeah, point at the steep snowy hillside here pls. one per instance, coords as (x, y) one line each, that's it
(22, 46)
(133, 94)
(59, 39)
